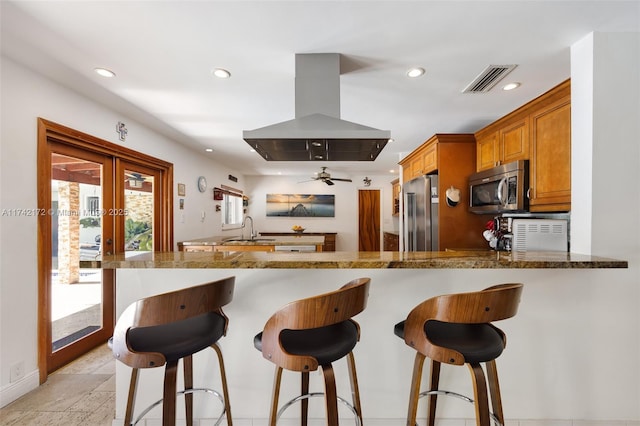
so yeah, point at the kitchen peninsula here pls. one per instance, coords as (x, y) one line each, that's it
(563, 294)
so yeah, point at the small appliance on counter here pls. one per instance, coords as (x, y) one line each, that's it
(527, 234)
(539, 234)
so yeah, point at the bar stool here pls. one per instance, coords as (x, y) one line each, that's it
(456, 329)
(163, 329)
(315, 332)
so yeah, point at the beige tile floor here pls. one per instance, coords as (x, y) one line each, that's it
(81, 393)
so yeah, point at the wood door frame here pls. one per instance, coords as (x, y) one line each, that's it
(50, 131)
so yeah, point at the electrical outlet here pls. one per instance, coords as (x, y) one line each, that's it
(16, 371)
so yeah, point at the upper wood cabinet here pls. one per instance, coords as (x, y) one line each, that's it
(514, 141)
(540, 132)
(422, 161)
(550, 163)
(507, 144)
(487, 151)
(430, 158)
(395, 197)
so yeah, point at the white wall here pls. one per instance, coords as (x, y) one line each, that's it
(345, 223)
(25, 96)
(605, 85)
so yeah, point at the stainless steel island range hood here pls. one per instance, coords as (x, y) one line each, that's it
(317, 133)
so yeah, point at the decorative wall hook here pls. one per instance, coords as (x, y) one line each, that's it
(366, 181)
(453, 196)
(121, 128)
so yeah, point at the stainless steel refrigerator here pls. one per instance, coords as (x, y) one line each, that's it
(421, 214)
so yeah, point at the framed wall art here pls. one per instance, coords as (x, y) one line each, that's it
(301, 205)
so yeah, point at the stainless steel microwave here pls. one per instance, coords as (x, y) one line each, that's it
(500, 189)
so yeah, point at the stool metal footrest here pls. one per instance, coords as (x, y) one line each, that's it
(459, 396)
(315, 394)
(185, 392)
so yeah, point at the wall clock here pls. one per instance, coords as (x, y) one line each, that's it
(202, 184)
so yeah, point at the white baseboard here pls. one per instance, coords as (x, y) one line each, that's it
(15, 390)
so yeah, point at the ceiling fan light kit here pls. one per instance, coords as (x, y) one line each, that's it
(325, 177)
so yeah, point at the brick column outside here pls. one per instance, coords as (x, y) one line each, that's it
(68, 232)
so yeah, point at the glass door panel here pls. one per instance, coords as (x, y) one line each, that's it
(138, 212)
(138, 195)
(80, 202)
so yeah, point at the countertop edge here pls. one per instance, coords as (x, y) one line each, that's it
(357, 260)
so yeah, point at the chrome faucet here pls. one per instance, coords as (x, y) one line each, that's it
(252, 235)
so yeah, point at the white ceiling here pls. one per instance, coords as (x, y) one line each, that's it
(163, 53)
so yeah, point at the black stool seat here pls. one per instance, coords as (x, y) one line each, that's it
(326, 344)
(476, 342)
(181, 338)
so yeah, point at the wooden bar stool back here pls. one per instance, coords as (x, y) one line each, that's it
(456, 329)
(163, 329)
(313, 332)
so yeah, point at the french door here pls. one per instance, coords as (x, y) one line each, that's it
(79, 300)
(99, 199)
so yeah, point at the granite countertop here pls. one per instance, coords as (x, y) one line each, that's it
(358, 260)
(289, 240)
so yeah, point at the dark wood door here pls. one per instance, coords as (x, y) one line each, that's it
(369, 220)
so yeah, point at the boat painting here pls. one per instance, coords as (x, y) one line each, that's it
(301, 205)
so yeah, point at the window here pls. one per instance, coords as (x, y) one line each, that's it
(93, 206)
(232, 210)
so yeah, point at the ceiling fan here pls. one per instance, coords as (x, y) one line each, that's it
(326, 177)
(135, 180)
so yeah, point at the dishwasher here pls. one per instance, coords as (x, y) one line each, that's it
(296, 248)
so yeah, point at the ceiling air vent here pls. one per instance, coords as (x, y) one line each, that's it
(488, 78)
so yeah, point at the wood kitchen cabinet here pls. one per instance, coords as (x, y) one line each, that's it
(430, 159)
(539, 131)
(390, 241)
(510, 143)
(329, 238)
(395, 197)
(550, 164)
(487, 150)
(238, 247)
(421, 162)
(196, 249)
(453, 158)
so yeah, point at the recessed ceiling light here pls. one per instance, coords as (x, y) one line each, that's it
(209, 149)
(391, 140)
(105, 72)
(415, 72)
(511, 86)
(392, 171)
(221, 73)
